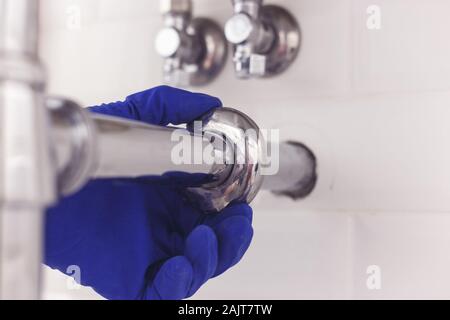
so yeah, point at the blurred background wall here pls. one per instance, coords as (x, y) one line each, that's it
(374, 105)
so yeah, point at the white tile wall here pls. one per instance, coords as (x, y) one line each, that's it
(373, 104)
(410, 249)
(408, 54)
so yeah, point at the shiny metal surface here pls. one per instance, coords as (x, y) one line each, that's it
(133, 149)
(239, 28)
(194, 50)
(18, 20)
(74, 144)
(21, 251)
(92, 146)
(89, 145)
(296, 178)
(26, 174)
(245, 180)
(297, 175)
(251, 7)
(168, 42)
(288, 39)
(175, 6)
(266, 39)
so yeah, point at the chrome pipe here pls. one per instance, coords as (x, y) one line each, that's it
(297, 172)
(90, 145)
(133, 149)
(21, 251)
(19, 27)
(26, 173)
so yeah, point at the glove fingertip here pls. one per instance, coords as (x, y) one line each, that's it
(163, 105)
(244, 209)
(234, 235)
(173, 280)
(202, 251)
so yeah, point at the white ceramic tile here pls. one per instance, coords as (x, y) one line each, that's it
(58, 286)
(408, 53)
(128, 11)
(295, 255)
(411, 251)
(64, 14)
(378, 153)
(89, 66)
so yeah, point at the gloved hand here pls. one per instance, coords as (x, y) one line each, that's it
(141, 238)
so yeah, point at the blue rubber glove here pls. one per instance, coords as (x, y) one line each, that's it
(141, 238)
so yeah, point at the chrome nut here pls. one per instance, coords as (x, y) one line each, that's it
(75, 144)
(245, 179)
